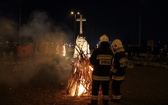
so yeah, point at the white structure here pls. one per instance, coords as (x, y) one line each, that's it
(82, 46)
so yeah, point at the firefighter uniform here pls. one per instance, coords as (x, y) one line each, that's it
(118, 69)
(101, 60)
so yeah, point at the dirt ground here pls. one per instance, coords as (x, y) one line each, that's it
(42, 81)
(38, 80)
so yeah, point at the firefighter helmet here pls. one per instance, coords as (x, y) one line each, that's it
(117, 44)
(104, 38)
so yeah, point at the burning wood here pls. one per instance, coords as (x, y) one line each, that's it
(79, 83)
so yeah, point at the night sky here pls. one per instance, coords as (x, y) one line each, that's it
(116, 18)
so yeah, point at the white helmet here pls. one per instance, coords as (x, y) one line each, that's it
(104, 38)
(116, 44)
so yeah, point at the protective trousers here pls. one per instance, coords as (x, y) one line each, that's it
(95, 90)
(116, 85)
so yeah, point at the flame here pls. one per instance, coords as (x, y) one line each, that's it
(73, 89)
(80, 79)
(91, 68)
(81, 89)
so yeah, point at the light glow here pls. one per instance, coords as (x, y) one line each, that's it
(81, 89)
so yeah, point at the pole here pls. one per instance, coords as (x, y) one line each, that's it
(139, 30)
(19, 25)
(74, 28)
(75, 15)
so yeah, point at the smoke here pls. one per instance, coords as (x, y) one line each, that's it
(42, 28)
(39, 68)
(8, 28)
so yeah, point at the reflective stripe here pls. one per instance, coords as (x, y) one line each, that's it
(103, 56)
(105, 97)
(104, 62)
(119, 78)
(94, 97)
(106, 78)
(123, 62)
(104, 59)
(116, 96)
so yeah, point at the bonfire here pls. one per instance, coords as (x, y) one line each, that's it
(79, 82)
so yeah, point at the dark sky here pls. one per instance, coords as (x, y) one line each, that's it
(116, 18)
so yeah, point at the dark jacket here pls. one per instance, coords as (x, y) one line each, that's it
(119, 66)
(101, 59)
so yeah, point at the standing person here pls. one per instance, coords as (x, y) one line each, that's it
(118, 69)
(101, 60)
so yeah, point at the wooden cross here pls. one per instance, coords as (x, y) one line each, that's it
(81, 20)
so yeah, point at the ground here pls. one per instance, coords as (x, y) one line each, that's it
(42, 80)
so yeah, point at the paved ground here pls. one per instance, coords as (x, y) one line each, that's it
(145, 86)
(42, 81)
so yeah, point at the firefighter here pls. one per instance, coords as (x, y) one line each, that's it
(101, 61)
(118, 70)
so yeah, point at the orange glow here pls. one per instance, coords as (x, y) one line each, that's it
(91, 68)
(79, 82)
(81, 89)
(64, 50)
(72, 93)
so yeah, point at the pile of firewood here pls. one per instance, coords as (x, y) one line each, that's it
(79, 82)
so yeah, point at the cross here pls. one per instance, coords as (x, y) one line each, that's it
(81, 20)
